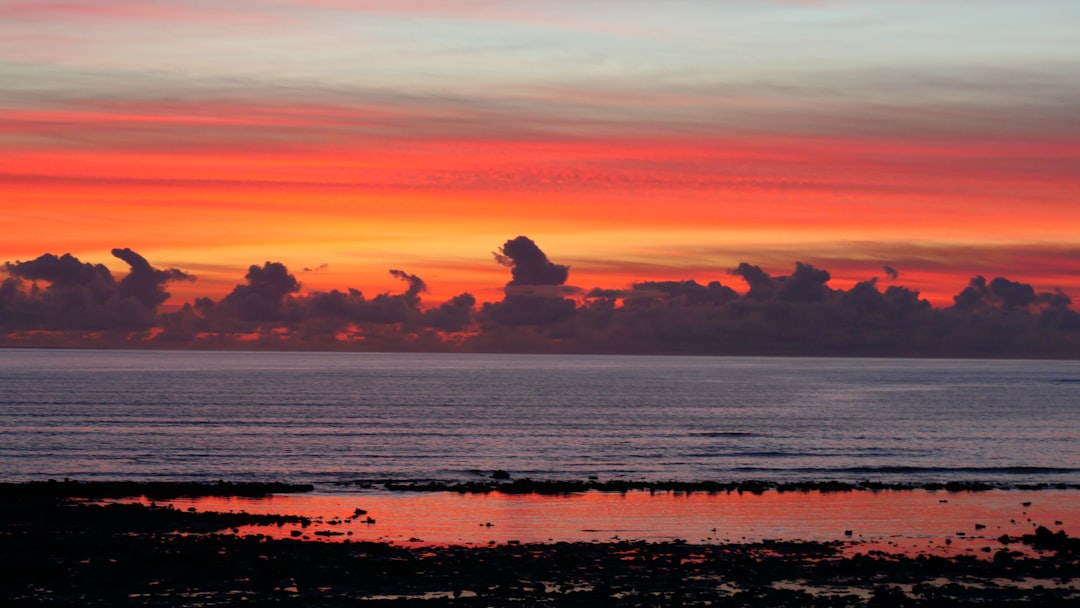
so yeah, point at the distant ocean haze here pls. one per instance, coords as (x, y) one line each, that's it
(328, 417)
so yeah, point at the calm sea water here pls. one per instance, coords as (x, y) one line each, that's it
(323, 417)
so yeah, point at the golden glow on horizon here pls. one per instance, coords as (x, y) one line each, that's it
(625, 153)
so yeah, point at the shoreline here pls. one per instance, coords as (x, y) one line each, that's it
(907, 518)
(498, 482)
(66, 551)
(912, 521)
(504, 485)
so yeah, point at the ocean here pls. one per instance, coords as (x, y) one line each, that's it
(340, 417)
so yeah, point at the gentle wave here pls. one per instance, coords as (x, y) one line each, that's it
(318, 417)
(725, 434)
(921, 471)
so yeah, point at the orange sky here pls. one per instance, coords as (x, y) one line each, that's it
(648, 143)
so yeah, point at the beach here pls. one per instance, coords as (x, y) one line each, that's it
(159, 549)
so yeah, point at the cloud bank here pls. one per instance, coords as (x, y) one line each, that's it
(65, 293)
(59, 300)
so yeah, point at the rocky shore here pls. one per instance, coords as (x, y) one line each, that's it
(502, 482)
(59, 549)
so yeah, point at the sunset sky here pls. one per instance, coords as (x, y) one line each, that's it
(630, 139)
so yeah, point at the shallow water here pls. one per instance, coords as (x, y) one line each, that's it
(915, 521)
(325, 417)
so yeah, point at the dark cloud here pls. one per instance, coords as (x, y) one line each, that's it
(529, 265)
(394, 308)
(272, 281)
(146, 283)
(1058, 299)
(10, 295)
(687, 292)
(806, 284)
(335, 310)
(534, 294)
(1057, 315)
(452, 315)
(761, 284)
(891, 272)
(797, 314)
(1000, 293)
(905, 301)
(971, 297)
(336, 304)
(527, 310)
(895, 302)
(66, 272)
(416, 284)
(1012, 294)
(263, 297)
(864, 297)
(81, 295)
(597, 292)
(542, 291)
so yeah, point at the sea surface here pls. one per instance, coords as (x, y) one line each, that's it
(330, 417)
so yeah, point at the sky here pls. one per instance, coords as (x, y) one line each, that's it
(632, 140)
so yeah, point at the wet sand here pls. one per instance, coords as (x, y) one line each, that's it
(909, 521)
(60, 550)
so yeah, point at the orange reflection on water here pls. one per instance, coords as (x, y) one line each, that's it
(893, 520)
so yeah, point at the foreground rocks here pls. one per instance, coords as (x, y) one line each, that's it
(60, 552)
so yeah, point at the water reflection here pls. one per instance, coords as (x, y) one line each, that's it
(894, 521)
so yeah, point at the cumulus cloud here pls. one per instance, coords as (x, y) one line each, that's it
(529, 310)
(64, 272)
(262, 298)
(795, 314)
(271, 295)
(761, 284)
(529, 265)
(146, 283)
(688, 292)
(452, 315)
(1012, 294)
(392, 308)
(806, 284)
(270, 299)
(416, 284)
(1000, 293)
(972, 296)
(598, 292)
(81, 295)
(534, 293)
